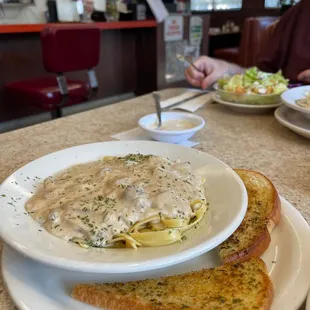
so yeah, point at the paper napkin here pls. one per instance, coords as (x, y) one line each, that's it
(191, 105)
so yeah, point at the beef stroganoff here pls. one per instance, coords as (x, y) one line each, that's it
(136, 200)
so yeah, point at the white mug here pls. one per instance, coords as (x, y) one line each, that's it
(67, 11)
(100, 5)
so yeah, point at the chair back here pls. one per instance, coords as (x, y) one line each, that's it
(67, 48)
(252, 37)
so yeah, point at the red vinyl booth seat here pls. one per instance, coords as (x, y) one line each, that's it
(230, 54)
(44, 94)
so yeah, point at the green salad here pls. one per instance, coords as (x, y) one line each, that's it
(253, 87)
(255, 82)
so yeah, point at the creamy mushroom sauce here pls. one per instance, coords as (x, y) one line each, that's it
(98, 200)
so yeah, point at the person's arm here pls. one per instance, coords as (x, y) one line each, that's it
(211, 70)
(286, 47)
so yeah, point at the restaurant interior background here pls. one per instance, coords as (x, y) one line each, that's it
(136, 56)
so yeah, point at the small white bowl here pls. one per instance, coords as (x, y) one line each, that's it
(171, 136)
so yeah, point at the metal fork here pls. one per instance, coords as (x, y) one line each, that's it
(186, 60)
(159, 109)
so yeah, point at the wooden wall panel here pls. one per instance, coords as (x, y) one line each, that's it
(147, 61)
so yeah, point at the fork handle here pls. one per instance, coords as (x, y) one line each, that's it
(158, 107)
(196, 68)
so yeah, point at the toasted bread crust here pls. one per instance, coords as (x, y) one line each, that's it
(275, 216)
(103, 299)
(207, 289)
(261, 243)
(269, 293)
(256, 249)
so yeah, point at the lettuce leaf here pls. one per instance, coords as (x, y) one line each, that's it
(234, 82)
(253, 78)
(250, 76)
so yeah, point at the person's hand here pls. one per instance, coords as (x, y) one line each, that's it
(211, 70)
(88, 5)
(304, 76)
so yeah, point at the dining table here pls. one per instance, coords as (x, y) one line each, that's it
(250, 141)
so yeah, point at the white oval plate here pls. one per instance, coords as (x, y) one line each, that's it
(293, 120)
(244, 108)
(32, 285)
(225, 192)
(290, 96)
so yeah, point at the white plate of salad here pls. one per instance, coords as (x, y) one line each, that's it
(253, 87)
(245, 108)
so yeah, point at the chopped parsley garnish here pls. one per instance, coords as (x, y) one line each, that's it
(135, 157)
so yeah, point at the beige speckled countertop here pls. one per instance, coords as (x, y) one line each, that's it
(250, 141)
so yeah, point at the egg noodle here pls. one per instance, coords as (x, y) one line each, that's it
(132, 201)
(160, 230)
